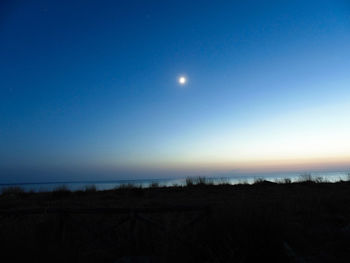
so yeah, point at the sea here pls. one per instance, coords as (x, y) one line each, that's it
(168, 182)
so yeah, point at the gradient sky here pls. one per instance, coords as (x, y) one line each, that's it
(88, 89)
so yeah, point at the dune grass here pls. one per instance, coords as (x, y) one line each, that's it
(90, 188)
(198, 181)
(12, 190)
(63, 189)
(245, 223)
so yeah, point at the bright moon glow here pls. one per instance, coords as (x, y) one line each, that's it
(182, 80)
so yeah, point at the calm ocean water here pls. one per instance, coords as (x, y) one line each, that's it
(107, 185)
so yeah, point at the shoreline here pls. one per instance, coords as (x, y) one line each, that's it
(180, 181)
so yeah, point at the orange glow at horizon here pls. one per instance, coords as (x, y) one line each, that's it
(277, 165)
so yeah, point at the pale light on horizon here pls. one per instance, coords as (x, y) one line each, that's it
(306, 139)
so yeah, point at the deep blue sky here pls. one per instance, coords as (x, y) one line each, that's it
(88, 89)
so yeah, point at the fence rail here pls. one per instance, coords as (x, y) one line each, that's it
(123, 215)
(144, 210)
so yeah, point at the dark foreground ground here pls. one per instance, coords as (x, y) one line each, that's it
(264, 222)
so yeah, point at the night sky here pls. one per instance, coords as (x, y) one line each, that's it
(89, 90)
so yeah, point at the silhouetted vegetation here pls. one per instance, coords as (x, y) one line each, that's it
(12, 190)
(61, 191)
(154, 185)
(199, 181)
(90, 188)
(287, 181)
(306, 221)
(258, 181)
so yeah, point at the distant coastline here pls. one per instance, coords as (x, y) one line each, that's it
(168, 182)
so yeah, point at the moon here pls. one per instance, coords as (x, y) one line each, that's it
(182, 80)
